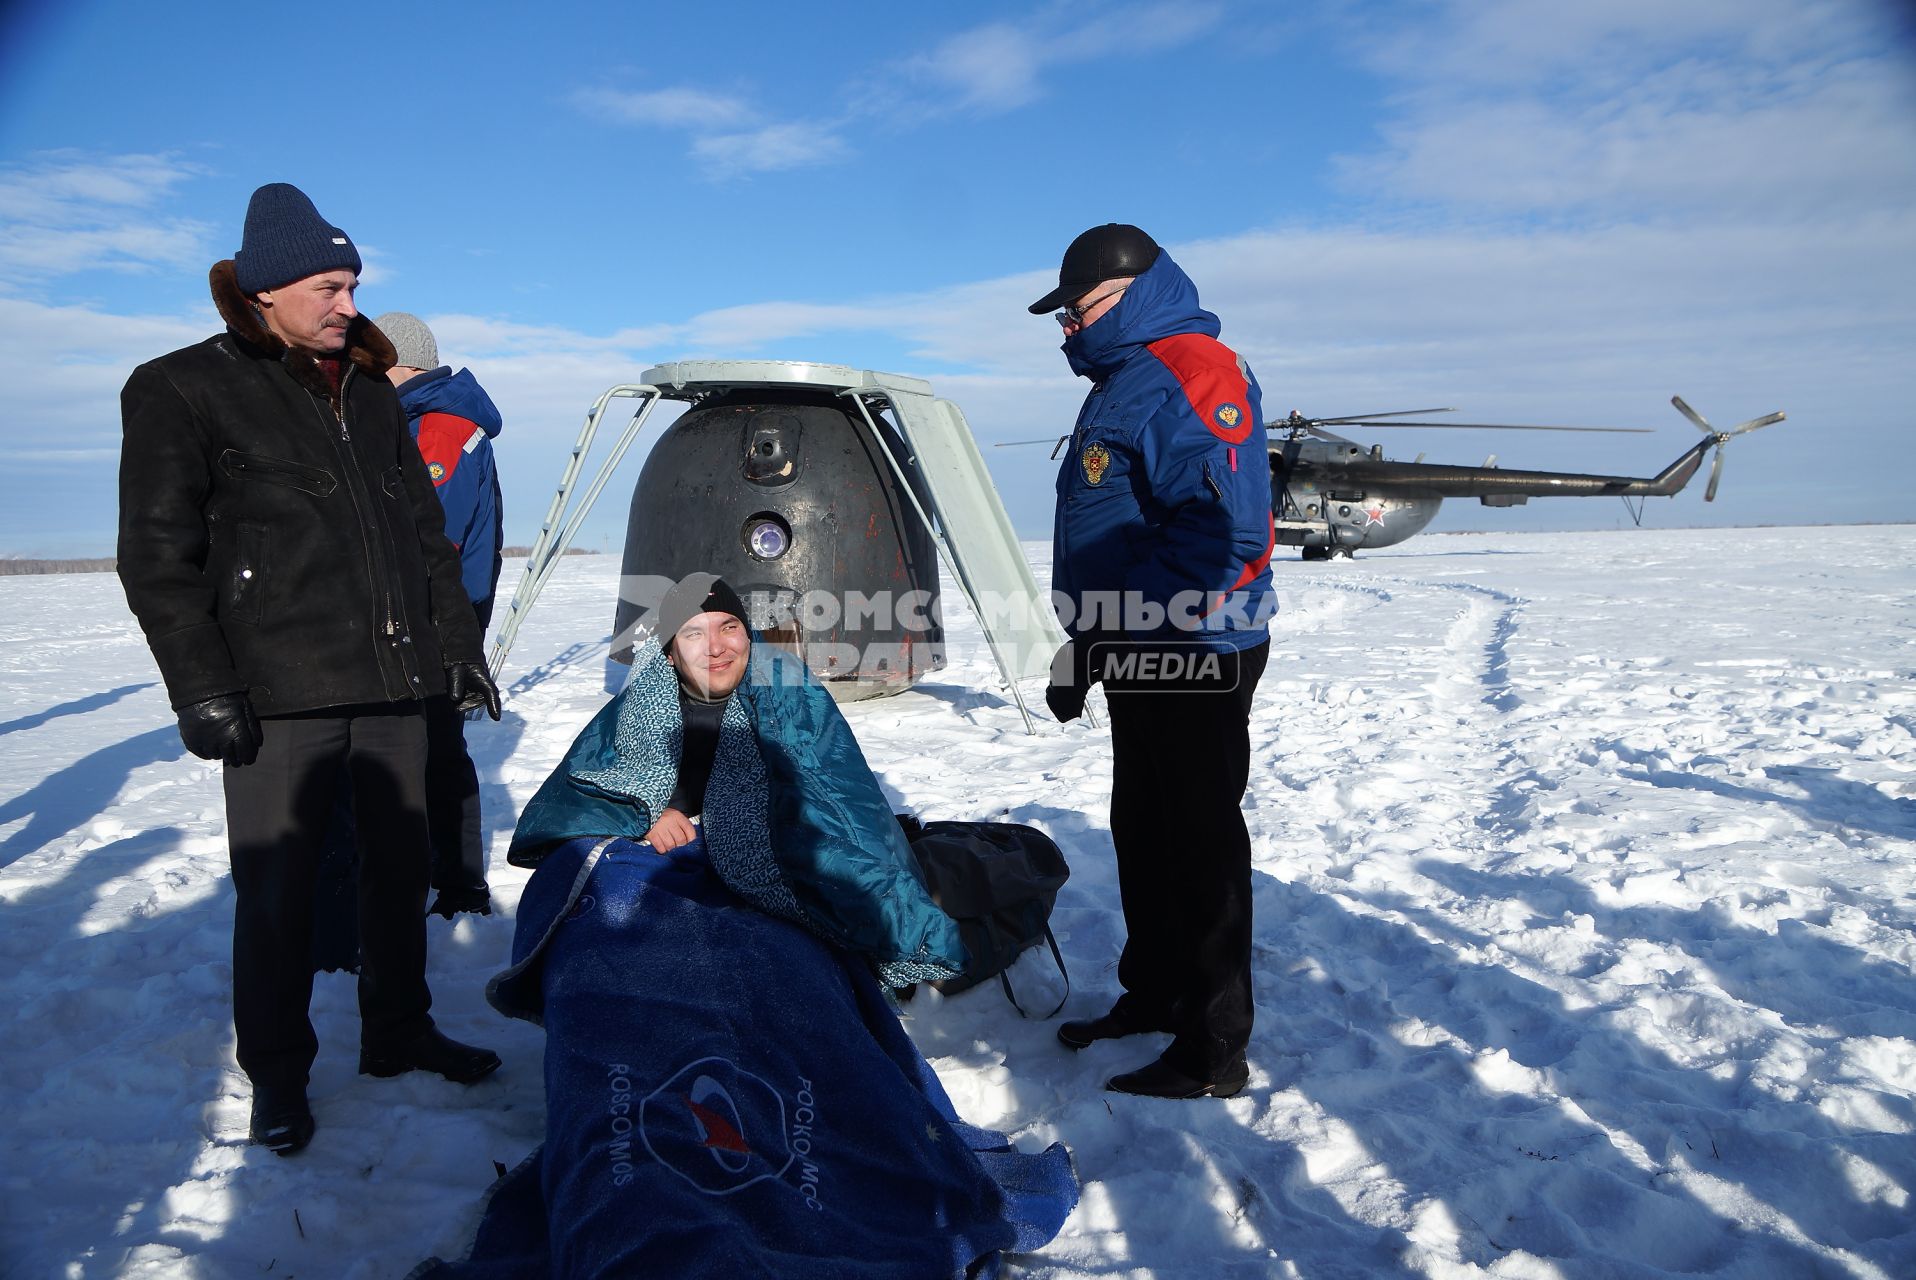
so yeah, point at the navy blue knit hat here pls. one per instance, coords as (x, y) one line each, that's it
(286, 240)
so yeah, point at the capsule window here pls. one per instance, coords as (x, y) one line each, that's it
(766, 535)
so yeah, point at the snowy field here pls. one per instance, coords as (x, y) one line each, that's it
(1586, 911)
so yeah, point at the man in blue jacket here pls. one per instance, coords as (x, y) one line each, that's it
(454, 423)
(1161, 574)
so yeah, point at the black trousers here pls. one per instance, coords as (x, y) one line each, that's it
(452, 801)
(452, 791)
(279, 811)
(1181, 754)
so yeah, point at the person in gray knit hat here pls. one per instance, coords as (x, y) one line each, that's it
(283, 551)
(453, 422)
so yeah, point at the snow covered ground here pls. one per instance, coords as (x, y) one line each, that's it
(1586, 906)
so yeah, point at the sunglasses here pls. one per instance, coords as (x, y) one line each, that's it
(1075, 313)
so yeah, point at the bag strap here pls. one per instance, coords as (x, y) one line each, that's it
(1004, 979)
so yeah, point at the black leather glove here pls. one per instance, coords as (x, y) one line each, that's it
(1065, 700)
(1072, 673)
(1070, 680)
(222, 728)
(469, 687)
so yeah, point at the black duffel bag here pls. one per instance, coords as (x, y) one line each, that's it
(998, 880)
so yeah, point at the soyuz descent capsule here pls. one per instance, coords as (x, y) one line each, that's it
(784, 492)
(830, 498)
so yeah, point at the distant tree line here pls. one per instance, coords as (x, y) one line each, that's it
(104, 565)
(21, 565)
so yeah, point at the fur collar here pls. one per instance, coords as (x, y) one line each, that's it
(366, 346)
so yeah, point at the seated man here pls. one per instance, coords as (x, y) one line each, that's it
(708, 651)
(720, 891)
(741, 736)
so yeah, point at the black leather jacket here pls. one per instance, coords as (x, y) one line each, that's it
(279, 537)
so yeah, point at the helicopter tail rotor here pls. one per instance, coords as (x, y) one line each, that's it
(1720, 438)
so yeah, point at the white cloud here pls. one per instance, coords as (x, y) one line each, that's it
(994, 68)
(988, 69)
(674, 108)
(727, 138)
(1641, 110)
(63, 212)
(793, 145)
(1000, 66)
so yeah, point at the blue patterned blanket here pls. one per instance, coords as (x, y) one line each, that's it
(729, 1096)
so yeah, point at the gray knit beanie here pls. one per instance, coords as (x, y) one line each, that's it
(410, 338)
(285, 240)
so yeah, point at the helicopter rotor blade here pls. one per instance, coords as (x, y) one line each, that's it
(1716, 474)
(1372, 417)
(1504, 426)
(1013, 444)
(1754, 423)
(1702, 423)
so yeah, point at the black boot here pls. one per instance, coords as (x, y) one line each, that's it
(1112, 1026)
(282, 1122)
(433, 1051)
(1162, 1080)
(451, 902)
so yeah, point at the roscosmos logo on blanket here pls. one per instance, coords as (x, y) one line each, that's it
(721, 1128)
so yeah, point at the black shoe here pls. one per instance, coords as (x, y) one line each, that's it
(282, 1122)
(451, 902)
(1112, 1026)
(1162, 1080)
(435, 1052)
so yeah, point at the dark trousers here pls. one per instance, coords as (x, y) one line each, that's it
(452, 790)
(452, 801)
(279, 811)
(1181, 755)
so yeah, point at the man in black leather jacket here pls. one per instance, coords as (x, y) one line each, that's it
(284, 552)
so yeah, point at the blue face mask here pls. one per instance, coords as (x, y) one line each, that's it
(1074, 354)
(1086, 349)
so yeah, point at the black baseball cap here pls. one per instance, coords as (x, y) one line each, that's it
(1102, 253)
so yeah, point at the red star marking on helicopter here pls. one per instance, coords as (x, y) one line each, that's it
(1373, 515)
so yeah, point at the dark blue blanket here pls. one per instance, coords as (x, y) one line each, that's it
(728, 1096)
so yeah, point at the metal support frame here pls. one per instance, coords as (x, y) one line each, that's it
(550, 546)
(859, 398)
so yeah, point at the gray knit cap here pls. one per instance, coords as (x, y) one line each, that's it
(285, 240)
(410, 338)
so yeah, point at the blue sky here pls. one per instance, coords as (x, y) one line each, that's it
(1537, 212)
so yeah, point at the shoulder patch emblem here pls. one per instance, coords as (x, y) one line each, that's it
(437, 470)
(1095, 461)
(1228, 416)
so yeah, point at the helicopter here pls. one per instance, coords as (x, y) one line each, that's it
(1331, 496)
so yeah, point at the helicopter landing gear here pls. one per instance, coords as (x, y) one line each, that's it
(1317, 553)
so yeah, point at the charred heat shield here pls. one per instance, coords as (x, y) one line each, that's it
(783, 493)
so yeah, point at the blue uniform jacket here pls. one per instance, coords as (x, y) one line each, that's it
(1164, 498)
(454, 422)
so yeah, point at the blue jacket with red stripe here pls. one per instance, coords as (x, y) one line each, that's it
(454, 422)
(1164, 499)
